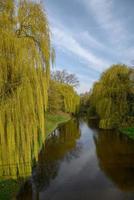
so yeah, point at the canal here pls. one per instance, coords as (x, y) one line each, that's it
(81, 162)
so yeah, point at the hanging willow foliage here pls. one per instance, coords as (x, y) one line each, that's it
(111, 96)
(25, 52)
(70, 98)
(62, 97)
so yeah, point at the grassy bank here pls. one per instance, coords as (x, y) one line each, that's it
(9, 189)
(53, 120)
(128, 131)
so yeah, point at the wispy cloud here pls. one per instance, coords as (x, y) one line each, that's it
(92, 41)
(100, 37)
(67, 41)
(86, 81)
(104, 13)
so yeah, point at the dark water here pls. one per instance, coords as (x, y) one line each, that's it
(80, 162)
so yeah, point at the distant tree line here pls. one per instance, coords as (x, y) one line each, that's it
(61, 94)
(65, 77)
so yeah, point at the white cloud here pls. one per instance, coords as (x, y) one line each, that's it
(103, 11)
(86, 83)
(67, 41)
(85, 87)
(93, 42)
(82, 45)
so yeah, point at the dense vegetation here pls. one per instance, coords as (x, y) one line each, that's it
(64, 77)
(32, 98)
(61, 94)
(112, 98)
(26, 92)
(62, 97)
(25, 53)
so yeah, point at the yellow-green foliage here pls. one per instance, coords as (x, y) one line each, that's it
(24, 76)
(54, 97)
(70, 99)
(62, 97)
(53, 120)
(111, 96)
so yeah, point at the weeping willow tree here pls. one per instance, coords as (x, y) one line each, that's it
(70, 99)
(54, 97)
(111, 96)
(25, 53)
(62, 97)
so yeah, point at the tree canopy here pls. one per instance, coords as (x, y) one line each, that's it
(112, 97)
(26, 54)
(62, 97)
(65, 77)
(24, 76)
(112, 94)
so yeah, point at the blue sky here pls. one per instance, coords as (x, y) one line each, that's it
(90, 35)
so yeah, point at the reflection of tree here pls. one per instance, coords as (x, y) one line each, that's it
(93, 123)
(60, 146)
(116, 158)
(74, 153)
(26, 187)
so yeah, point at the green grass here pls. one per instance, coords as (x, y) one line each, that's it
(128, 131)
(53, 120)
(9, 189)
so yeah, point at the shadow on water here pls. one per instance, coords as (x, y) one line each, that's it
(61, 145)
(115, 154)
(78, 161)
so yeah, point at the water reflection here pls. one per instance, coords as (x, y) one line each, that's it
(79, 161)
(115, 154)
(62, 142)
(61, 145)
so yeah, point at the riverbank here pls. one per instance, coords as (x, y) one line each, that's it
(53, 120)
(128, 131)
(9, 188)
